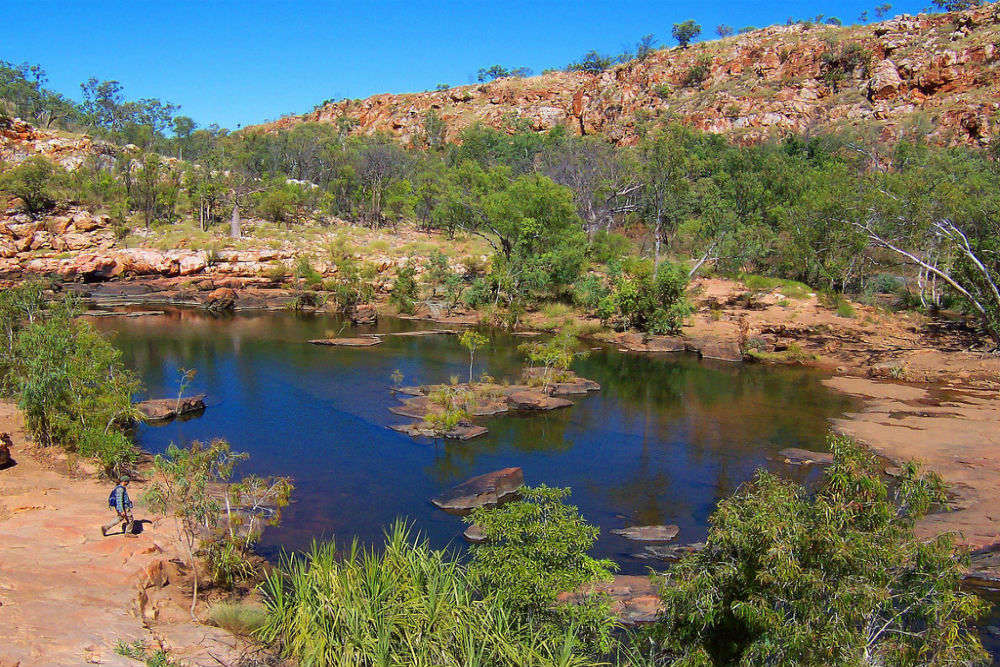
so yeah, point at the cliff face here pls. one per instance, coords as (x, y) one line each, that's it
(939, 70)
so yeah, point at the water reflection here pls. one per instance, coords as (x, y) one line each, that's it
(663, 441)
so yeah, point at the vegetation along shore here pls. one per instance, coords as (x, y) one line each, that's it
(813, 195)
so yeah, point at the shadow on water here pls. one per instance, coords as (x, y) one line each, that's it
(662, 442)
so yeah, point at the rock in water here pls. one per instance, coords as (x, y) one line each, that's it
(486, 490)
(165, 409)
(648, 533)
(530, 399)
(796, 456)
(361, 341)
(474, 534)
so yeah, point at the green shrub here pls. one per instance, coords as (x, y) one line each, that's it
(697, 73)
(608, 246)
(404, 291)
(305, 271)
(647, 302)
(832, 577)
(534, 548)
(589, 291)
(113, 449)
(33, 182)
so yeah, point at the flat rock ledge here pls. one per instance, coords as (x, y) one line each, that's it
(486, 400)
(360, 341)
(487, 490)
(165, 409)
(651, 534)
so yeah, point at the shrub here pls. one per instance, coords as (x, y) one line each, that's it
(32, 181)
(589, 291)
(404, 290)
(697, 73)
(305, 271)
(534, 548)
(839, 64)
(112, 448)
(831, 577)
(686, 31)
(647, 302)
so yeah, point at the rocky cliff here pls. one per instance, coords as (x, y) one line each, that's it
(939, 71)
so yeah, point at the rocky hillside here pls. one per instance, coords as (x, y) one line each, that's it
(941, 70)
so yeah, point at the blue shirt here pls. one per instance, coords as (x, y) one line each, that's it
(122, 501)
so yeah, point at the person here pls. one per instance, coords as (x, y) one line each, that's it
(121, 505)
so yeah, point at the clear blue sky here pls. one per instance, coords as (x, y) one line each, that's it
(238, 63)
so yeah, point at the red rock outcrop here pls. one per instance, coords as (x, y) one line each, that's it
(776, 79)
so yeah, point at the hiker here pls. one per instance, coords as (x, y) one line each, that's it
(120, 503)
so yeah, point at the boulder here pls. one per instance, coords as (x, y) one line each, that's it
(165, 409)
(487, 490)
(885, 81)
(796, 456)
(223, 298)
(5, 444)
(530, 399)
(648, 533)
(474, 534)
(461, 431)
(364, 314)
(634, 599)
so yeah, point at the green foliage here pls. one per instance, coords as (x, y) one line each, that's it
(698, 72)
(305, 271)
(238, 618)
(404, 290)
(402, 604)
(647, 300)
(33, 182)
(835, 577)
(534, 548)
(592, 62)
(472, 340)
(840, 63)
(685, 31)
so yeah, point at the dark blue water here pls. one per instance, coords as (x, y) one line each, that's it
(662, 442)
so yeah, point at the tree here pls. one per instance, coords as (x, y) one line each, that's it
(492, 73)
(591, 63)
(645, 46)
(836, 577)
(32, 182)
(182, 488)
(956, 5)
(723, 30)
(883, 10)
(435, 130)
(472, 340)
(686, 31)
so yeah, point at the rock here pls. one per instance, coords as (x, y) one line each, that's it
(223, 298)
(462, 431)
(530, 399)
(669, 553)
(155, 575)
(474, 534)
(648, 533)
(885, 81)
(634, 599)
(796, 456)
(165, 409)
(5, 444)
(364, 314)
(486, 490)
(365, 341)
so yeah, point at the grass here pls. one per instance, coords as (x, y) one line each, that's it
(790, 289)
(794, 354)
(403, 604)
(238, 618)
(137, 650)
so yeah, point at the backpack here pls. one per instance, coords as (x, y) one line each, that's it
(112, 501)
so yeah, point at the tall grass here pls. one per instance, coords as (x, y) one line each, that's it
(408, 605)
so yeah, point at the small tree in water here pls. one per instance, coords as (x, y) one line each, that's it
(472, 341)
(835, 578)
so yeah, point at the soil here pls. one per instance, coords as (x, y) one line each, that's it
(67, 594)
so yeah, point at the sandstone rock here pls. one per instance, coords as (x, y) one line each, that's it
(885, 81)
(461, 431)
(222, 298)
(474, 534)
(364, 314)
(165, 409)
(5, 444)
(486, 490)
(648, 533)
(634, 599)
(530, 399)
(363, 341)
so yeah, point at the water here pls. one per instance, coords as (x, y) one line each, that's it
(664, 440)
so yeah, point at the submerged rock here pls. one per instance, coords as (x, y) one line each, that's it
(466, 431)
(165, 409)
(648, 533)
(361, 341)
(796, 456)
(669, 553)
(486, 490)
(474, 534)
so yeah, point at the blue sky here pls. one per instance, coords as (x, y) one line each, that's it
(238, 63)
